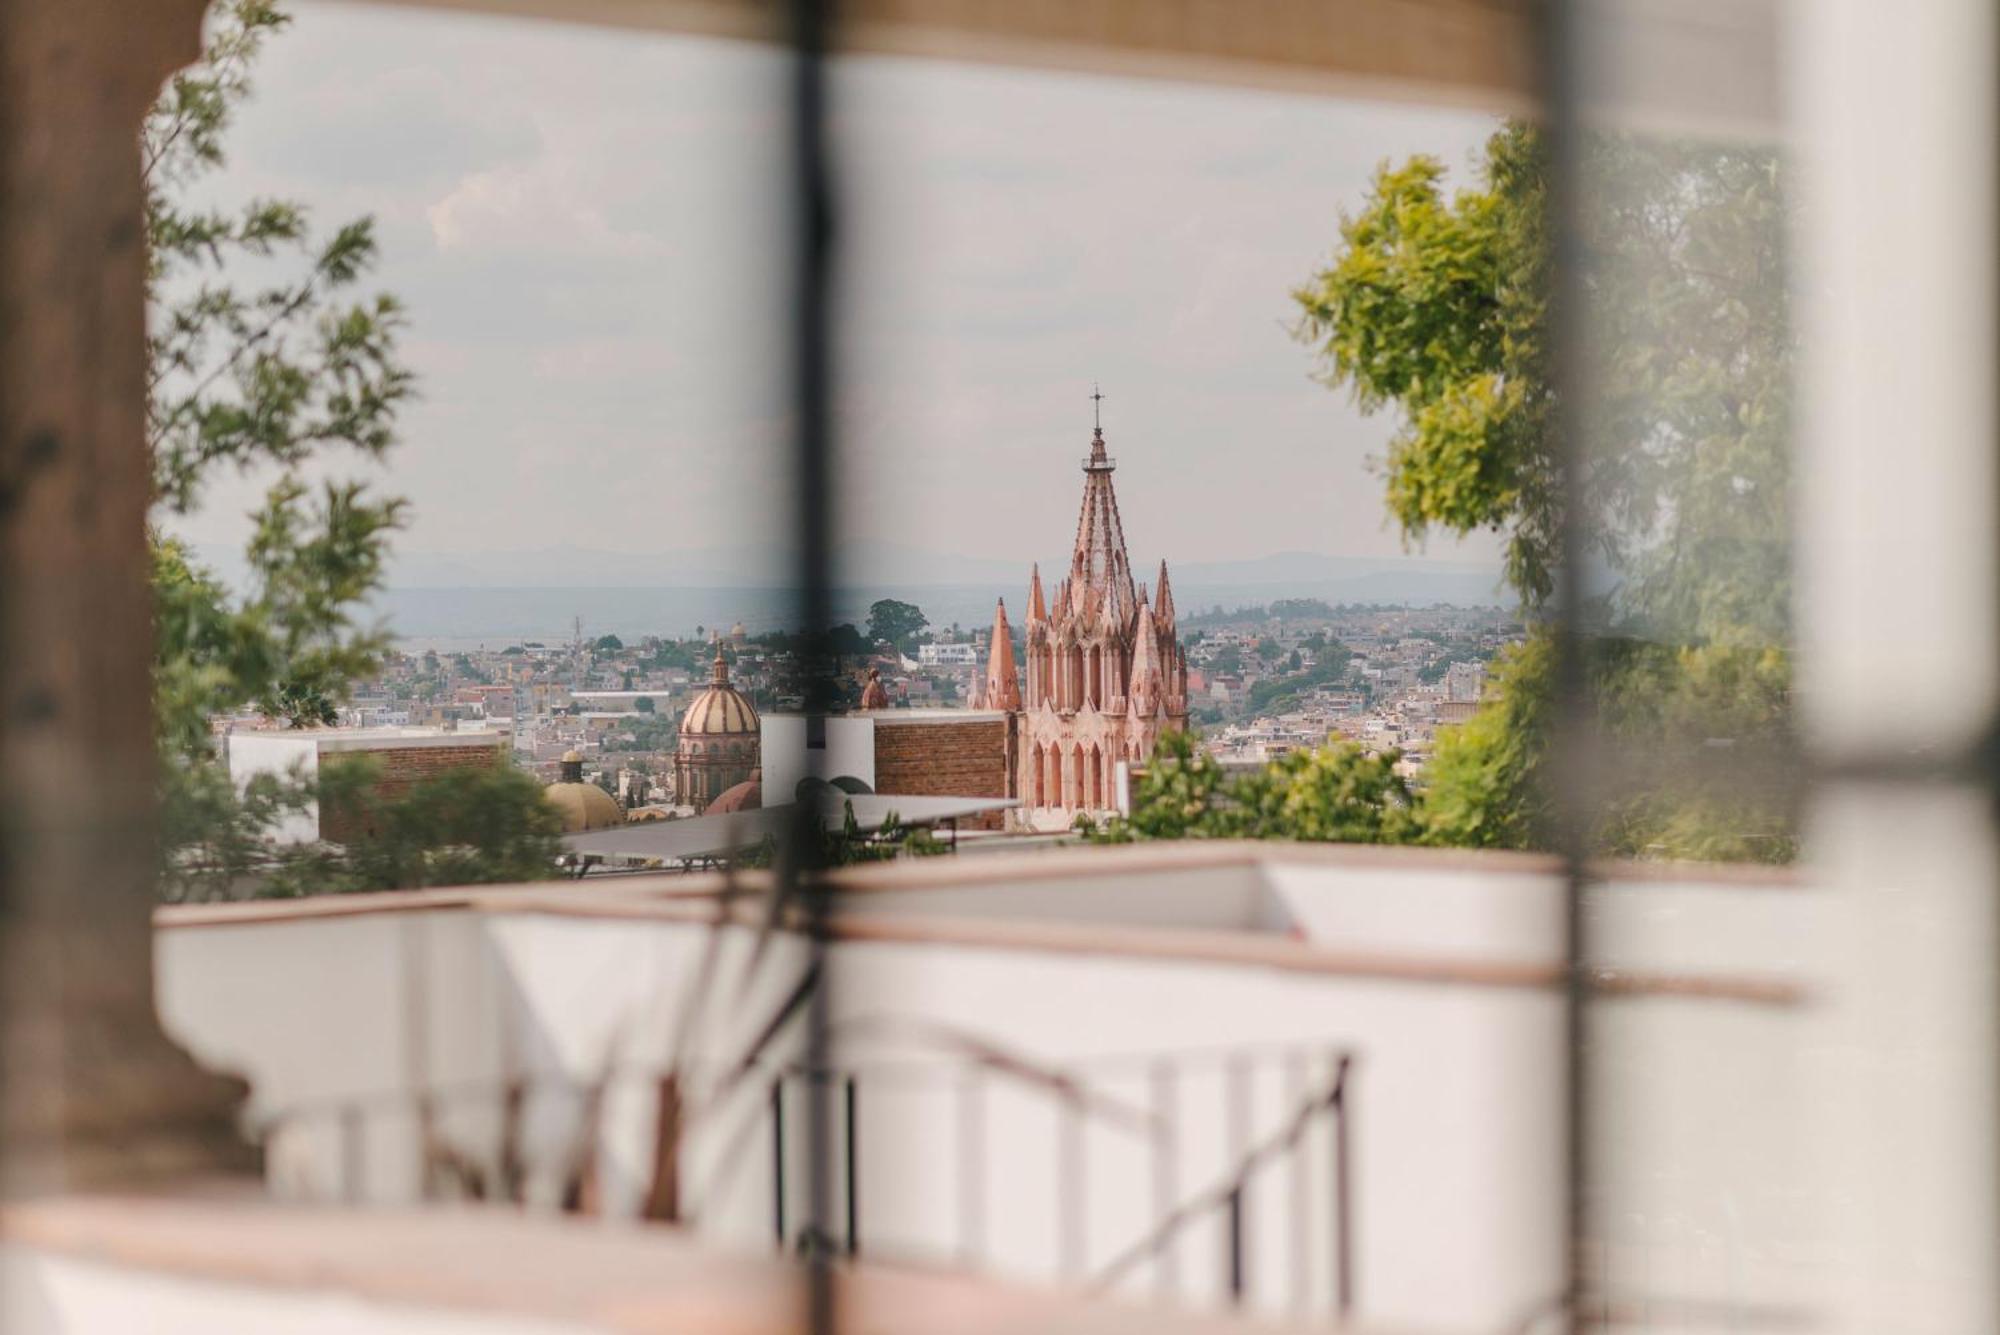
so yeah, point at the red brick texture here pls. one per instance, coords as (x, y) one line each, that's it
(401, 768)
(944, 758)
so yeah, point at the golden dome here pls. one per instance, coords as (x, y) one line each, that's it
(721, 710)
(581, 806)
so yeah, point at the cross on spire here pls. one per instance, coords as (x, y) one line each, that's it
(1096, 407)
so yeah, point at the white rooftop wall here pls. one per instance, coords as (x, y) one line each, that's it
(1456, 1113)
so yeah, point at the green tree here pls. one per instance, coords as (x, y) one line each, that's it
(1436, 306)
(607, 644)
(897, 623)
(1484, 786)
(462, 827)
(1336, 793)
(280, 376)
(264, 357)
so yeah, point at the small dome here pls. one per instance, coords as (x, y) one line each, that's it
(572, 757)
(721, 710)
(745, 796)
(583, 806)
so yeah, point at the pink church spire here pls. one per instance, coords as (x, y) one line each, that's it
(1147, 684)
(1003, 686)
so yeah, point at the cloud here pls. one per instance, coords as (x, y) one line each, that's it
(590, 231)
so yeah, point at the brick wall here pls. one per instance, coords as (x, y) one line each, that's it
(943, 758)
(401, 768)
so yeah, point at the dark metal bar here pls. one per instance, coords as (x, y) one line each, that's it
(1572, 751)
(1236, 1113)
(853, 1173)
(1236, 1245)
(811, 25)
(1166, 1171)
(778, 1160)
(1343, 1192)
(971, 1167)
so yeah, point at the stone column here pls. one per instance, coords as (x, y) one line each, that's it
(92, 1093)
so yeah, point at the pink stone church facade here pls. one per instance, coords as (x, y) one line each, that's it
(1105, 673)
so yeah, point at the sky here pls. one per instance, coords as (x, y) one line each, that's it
(588, 231)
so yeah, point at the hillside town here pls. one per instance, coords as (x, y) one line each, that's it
(1262, 681)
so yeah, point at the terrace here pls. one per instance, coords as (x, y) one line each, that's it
(1191, 1088)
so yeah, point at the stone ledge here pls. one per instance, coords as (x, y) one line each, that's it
(632, 1279)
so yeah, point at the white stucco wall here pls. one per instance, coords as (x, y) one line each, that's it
(254, 753)
(850, 750)
(1457, 1103)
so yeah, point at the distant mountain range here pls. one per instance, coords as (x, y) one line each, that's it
(534, 594)
(861, 563)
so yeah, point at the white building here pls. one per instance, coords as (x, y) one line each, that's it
(950, 653)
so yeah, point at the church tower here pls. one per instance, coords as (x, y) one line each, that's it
(1105, 672)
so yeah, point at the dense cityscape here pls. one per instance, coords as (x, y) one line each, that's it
(1262, 681)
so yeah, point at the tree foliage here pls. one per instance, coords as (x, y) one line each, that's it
(465, 826)
(265, 358)
(1436, 305)
(897, 623)
(1336, 793)
(270, 376)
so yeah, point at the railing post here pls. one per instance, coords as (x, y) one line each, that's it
(1071, 1188)
(1236, 1096)
(353, 1155)
(971, 1167)
(1298, 1078)
(1236, 1245)
(778, 1159)
(1166, 1169)
(853, 1175)
(1343, 1194)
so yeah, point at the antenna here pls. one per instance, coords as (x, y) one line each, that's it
(1096, 406)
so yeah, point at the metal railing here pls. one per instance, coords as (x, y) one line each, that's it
(1084, 1096)
(1079, 1097)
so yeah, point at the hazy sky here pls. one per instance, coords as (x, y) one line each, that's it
(587, 230)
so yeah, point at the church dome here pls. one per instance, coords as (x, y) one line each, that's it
(745, 796)
(581, 806)
(720, 710)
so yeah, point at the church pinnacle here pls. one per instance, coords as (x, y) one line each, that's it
(1105, 674)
